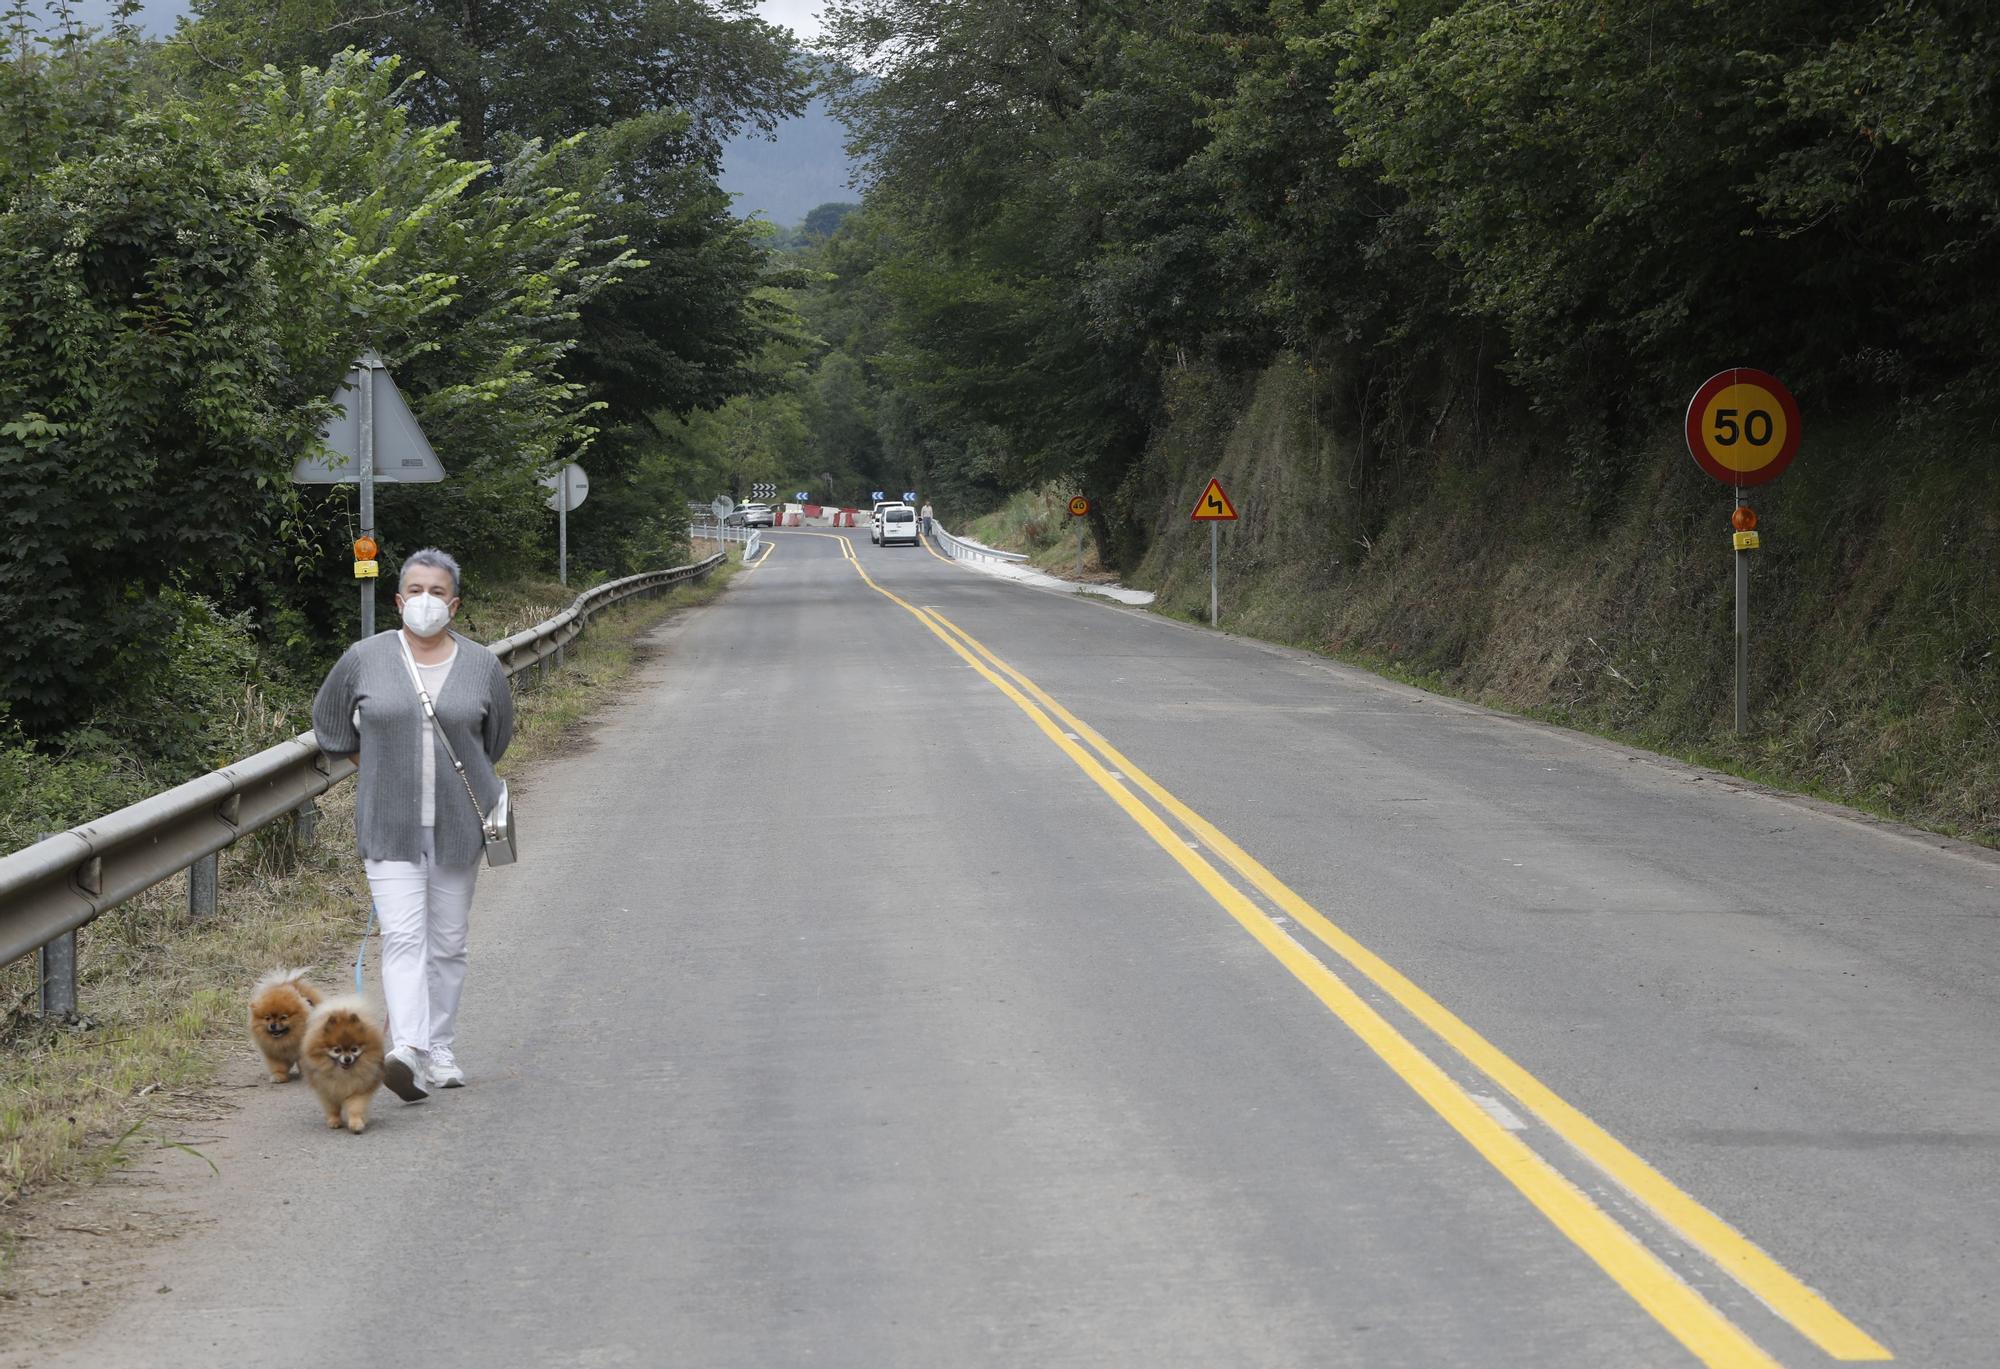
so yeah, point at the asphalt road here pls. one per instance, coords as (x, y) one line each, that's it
(853, 1005)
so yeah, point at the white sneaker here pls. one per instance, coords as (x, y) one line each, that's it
(405, 1074)
(444, 1070)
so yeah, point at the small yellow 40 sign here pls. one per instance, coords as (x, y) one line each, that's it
(1743, 427)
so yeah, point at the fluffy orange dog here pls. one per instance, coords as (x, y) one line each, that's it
(279, 1004)
(342, 1060)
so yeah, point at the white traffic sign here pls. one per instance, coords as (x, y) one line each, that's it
(722, 507)
(568, 488)
(402, 453)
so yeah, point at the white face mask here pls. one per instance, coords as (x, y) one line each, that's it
(425, 614)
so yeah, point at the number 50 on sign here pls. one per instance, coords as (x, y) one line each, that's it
(1743, 427)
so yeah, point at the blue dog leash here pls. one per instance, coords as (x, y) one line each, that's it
(361, 951)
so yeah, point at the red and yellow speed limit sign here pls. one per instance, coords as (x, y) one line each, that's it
(1079, 506)
(1743, 426)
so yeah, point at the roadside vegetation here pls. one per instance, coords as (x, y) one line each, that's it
(1875, 604)
(1038, 522)
(163, 997)
(198, 235)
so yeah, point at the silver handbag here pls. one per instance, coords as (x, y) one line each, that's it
(495, 828)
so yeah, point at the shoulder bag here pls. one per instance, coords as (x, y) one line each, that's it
(496, 827)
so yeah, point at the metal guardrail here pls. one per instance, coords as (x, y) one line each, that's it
(959, 549)
(707, 529)
(62, 882)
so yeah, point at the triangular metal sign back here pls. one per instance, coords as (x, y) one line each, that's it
(403, 455)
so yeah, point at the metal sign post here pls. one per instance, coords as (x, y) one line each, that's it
(1742, 637)
(1214, 509)
(372, 438)
(1079, 507)
(570, 488)
(1744, 520)
(1743, 428)
(364, 460)
(1214, 573)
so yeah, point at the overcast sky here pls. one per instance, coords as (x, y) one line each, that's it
(800, 16)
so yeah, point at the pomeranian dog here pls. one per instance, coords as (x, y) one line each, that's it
(279, 1005)
(342, 1060)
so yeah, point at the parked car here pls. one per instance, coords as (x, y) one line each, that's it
(754, 516)
(897, 523)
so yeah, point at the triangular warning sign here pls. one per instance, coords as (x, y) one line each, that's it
(403, 454)
(1213, 506)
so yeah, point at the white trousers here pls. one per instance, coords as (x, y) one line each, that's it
(425, 909)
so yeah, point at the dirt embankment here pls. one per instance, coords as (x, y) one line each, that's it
(1470, 563)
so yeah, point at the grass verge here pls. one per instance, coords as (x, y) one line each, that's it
(162, 996)
(1038, 523)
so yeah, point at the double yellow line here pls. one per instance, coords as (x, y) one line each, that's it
(1679, 1308)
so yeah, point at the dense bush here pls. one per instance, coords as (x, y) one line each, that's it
(190, 698)
(149, 413)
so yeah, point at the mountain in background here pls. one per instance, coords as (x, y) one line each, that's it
(787, 178)
(784, 180)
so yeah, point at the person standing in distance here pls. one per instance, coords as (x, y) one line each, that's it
(925, 515)
(419, 835)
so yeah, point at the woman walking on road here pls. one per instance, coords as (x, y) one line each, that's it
(419, 835)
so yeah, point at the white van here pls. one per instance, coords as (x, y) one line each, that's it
(895, 523)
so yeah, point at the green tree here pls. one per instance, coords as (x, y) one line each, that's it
(825, 220)
(469, 277)
(651, 88)
(541, 69)
(149, 412)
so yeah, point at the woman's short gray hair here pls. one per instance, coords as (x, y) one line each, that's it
(436, 560)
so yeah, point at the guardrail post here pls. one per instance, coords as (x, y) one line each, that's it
(560, 657)
(305, 822)
(203, 878)
(56, 962)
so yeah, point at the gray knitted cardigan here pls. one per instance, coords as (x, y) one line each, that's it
(476, 710)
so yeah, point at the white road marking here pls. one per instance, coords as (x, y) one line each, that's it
(1499, 1112)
